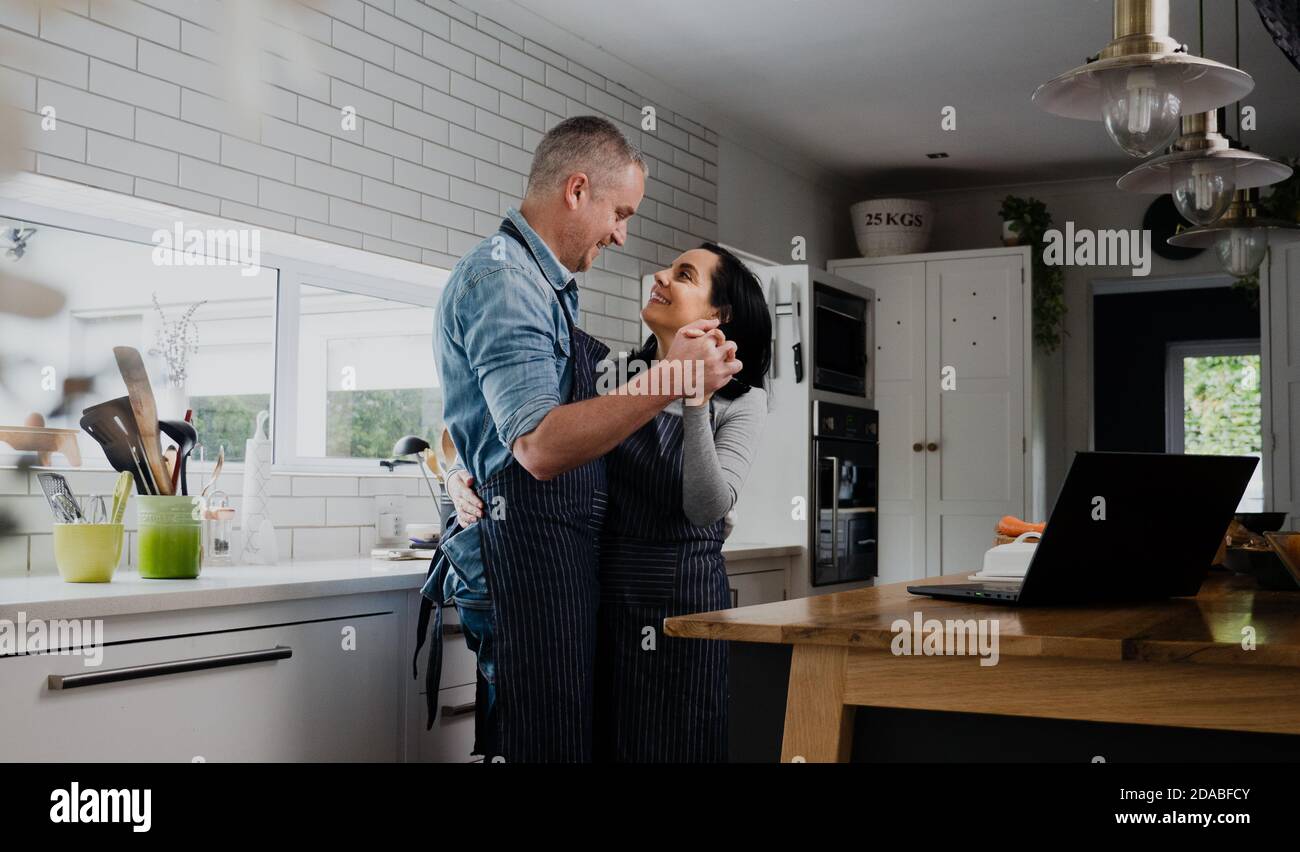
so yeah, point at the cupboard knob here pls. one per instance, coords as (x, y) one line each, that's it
(932, 446)
(916, 448)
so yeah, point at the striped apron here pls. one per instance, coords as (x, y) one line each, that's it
(658, 698)
(540, 547)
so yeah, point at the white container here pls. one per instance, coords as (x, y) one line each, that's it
(1010, 560)
(256, 527)
(889, 226)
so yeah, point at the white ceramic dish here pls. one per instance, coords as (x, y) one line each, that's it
(422, 532)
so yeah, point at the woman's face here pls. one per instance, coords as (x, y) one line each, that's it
(682, 293)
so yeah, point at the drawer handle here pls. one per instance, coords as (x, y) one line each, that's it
(74, 681)
(452, 630)
(459, 709)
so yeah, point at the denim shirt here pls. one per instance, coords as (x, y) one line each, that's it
(502, 347)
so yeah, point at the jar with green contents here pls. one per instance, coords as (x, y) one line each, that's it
(171, 537)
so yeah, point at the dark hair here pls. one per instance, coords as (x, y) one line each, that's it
(742, 307)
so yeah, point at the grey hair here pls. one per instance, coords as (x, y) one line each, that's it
(584, 143)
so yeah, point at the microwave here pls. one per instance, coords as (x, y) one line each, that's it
(841, 324)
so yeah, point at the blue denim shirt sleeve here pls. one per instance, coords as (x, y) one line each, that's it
(514, 355)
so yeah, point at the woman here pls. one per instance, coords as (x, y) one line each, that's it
(671, 485)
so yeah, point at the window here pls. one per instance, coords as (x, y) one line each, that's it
(1214, 405)
(342, 360)
(206, 333)
(366, 375)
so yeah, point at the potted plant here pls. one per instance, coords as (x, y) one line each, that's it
(1024, 222)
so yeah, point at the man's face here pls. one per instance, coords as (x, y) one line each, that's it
(600, 214)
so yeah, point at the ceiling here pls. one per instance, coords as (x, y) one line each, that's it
(858, 85)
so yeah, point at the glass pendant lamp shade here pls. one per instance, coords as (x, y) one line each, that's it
(1141, 81)
(1241, 250)
(1203, 170)
(1203, 188)
(1140, 108)
(1240, 238)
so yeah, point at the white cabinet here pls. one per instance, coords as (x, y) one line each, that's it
(314, 690)
(452, 736)
(757, 588)
(953, 375)
(1280, 308)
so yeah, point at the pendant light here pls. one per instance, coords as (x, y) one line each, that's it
(1240, 237)
(1203, 171)
(1142, 81)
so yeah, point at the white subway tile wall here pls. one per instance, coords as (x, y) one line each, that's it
(316, 516)
(447, 107)
(400, 127)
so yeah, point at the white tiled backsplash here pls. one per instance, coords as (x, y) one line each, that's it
(315, 516)
(449, 106)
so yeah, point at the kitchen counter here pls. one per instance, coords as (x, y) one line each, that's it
(47, 596)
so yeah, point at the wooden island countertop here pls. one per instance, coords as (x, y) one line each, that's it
(1228, 659)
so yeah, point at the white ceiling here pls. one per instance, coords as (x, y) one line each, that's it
(857, 85)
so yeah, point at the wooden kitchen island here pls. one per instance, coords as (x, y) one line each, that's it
(1227, 660)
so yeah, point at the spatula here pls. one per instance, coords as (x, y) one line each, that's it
(112, 425)
(145, 408)
(185, 436)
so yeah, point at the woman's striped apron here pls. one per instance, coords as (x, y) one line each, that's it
(658, 698)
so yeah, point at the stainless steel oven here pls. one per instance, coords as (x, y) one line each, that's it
(846, 453)
(841, 332)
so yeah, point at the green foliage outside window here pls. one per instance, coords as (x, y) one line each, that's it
(1221, 405)
(366, 423)
(227, 421)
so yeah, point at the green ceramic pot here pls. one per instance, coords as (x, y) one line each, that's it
(170, 537)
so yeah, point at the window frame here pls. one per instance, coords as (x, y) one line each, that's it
(291, 273)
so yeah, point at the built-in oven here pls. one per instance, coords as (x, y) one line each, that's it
(841, 337)
(846, 455)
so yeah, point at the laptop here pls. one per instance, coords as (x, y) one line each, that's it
(1125, 527)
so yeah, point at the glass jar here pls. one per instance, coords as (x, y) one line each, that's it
(170, 537)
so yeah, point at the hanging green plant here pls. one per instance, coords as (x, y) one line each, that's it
(1029, 220)
(1284, 201)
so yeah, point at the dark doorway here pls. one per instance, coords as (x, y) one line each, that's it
(1131, 337)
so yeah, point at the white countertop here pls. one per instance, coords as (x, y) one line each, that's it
(47, 596)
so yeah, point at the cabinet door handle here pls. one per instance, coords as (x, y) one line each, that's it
(932, 446)
(219, 661)
(917, 447)
(459, 709)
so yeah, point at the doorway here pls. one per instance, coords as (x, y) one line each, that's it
(1213, 404)
(1177, 368)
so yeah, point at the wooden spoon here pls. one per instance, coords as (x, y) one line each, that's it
(216, 471)
(145, 409)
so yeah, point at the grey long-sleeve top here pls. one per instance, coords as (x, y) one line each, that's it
(715, 462)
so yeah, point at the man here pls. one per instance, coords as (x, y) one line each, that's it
(518, 379)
